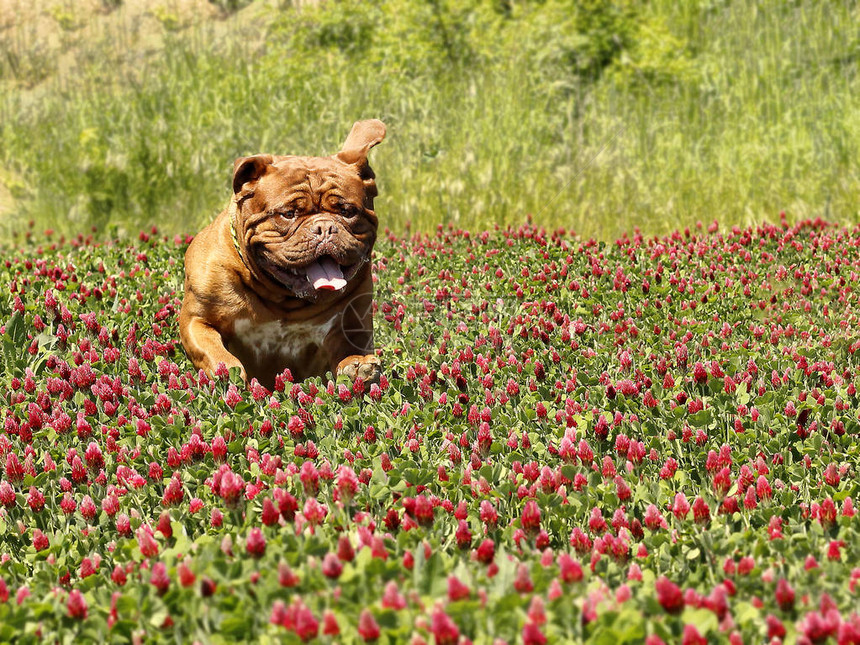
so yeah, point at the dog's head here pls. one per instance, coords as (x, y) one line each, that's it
(306, 225)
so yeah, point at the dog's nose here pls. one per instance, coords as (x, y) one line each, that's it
(325, 228)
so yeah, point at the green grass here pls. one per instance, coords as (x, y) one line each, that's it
(604, 118)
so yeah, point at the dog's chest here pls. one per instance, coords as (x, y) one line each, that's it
(287, 340)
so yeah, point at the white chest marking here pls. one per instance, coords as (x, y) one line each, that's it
(277, 337)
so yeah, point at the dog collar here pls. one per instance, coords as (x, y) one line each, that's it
(235, 237)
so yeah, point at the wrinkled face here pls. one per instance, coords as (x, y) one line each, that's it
(306, 224)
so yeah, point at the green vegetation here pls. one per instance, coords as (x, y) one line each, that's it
(598, 116)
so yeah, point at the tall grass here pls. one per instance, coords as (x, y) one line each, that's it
(767, 125)
(694, 111)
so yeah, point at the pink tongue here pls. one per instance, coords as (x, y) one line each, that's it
(325, 274)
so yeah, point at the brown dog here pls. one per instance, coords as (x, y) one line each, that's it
(281, 279)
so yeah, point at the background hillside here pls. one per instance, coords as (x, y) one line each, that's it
(598, 116)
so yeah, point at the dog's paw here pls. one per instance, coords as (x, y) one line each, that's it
(368, 368)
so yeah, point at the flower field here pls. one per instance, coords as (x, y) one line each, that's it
(650, 440)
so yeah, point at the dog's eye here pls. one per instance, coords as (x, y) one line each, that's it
(287, 214)
(347, 210)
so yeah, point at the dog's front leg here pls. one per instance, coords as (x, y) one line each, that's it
(205, 346)
(367, 367)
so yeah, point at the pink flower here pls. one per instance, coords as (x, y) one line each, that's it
(21, 595)
(653, 518)
(750, 499)
(774, 527)
(347, 484)
(444, 630)
(286, 577)
(536, 612)
(392, 598)
(722, 482)
(330, 626)
(40, 540)
(296, 426)
(7, 494)
(746, 565)
(159, 578)
(118, 576)
(331, 566)
(164, 526)
(146, 542)
(88, 568)
(717, 601)
(486, 551)
(306, 626)
(456, 589)
(314, 512)
(569, 569)
(88, 508)
(35, 500)
(207, 587)
(762, 488)
(282, 615)
(423, 510)
(463, 535)
(219, 449)
(701, 511)
(680, 507)
(530, 519)
(532, 635)
(833, 552)
(523, 580)
(186, 576)
(255, 544)
(775, 628)
(596, 521)
(488, 514)
(368, 628)
(555, 591)
(232, 397)
(76, 606)
(270, 514)
(692, 636)
(110, 505)
(784, 595)
(826, 513)
(94, 457)
(819, 627)
(622, 489)
(173, 492)
(669, 595)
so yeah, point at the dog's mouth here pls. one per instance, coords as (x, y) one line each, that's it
(322, 275)
(325, 274)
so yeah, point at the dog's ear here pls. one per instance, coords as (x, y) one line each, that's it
(363, 136)
(247, 169)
